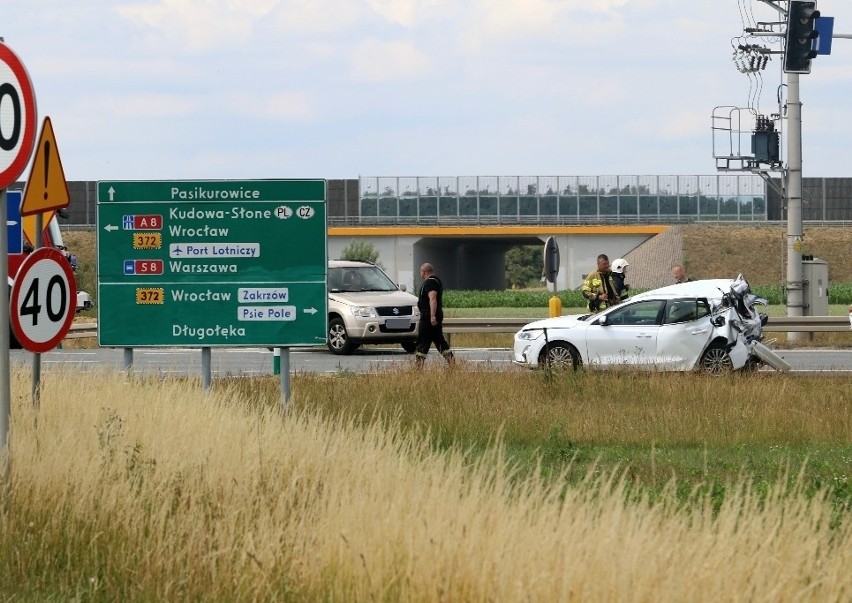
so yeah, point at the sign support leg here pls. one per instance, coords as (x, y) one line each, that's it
(5, 382)
(285, 378)
(128, 360)
(205, 368)
(36, 393)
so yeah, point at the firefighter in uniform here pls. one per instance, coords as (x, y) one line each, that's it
(619, 275)
(599, 287)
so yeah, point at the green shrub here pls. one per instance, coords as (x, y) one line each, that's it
(840, 293)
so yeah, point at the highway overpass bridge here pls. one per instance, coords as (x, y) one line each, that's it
(473, 257)
(465, 224)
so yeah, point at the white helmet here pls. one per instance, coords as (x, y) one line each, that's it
(619, 265)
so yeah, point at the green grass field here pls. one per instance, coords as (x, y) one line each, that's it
(443, 484)
(410, 485)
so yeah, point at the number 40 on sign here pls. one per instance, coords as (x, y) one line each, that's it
(43, 300)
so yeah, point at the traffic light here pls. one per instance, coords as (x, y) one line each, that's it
(798, 51)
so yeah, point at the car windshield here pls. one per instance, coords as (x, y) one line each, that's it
(359, 278)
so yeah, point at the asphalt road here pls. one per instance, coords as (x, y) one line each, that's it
(259, 361)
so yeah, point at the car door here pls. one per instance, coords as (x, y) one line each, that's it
(684, 334)
(625, 335)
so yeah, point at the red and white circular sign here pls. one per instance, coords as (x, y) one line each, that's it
(17, 117)
(43, 300)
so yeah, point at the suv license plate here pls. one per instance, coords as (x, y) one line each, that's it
(398, 323)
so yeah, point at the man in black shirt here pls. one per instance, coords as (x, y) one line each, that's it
(430, 304)
(679, 274)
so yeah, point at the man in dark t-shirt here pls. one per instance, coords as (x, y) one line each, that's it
(679, 274)
(430, 304)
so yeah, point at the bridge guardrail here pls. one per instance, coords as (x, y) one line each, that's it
(780, 324)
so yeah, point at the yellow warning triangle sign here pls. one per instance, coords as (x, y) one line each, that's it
(28, 224)
(46, 187)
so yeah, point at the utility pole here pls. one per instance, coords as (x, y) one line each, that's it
(804, 39)
(798, 52)
(795, 273)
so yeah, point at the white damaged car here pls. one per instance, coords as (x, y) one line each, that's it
(708, 325)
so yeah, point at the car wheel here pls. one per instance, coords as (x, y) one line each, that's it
(409, 346)
(752, 365)
(338, 340)
(716, 360)
(561, 355)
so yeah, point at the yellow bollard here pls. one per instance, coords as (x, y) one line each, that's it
(555, 306)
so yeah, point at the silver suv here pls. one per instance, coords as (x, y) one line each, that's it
(366, 306)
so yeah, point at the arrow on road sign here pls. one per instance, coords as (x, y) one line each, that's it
(46, 187)
(310, 310)
(110, 227)
(111, 192)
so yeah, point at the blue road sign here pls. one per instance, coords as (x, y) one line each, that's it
(825, 27)
(14, 224)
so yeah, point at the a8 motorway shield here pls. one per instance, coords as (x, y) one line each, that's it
(212, 263)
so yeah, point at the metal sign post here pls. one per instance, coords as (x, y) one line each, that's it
(18, 116)
(551, 269)
(5, 374)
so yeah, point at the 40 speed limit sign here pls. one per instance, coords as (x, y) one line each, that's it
(43, 300)
(17, 116)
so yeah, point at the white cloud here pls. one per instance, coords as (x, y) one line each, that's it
(571, 20)
(312, 18)
(134, 106)
(680, 125)
(200, 24)
(284, 106)
(379, 61)
(409, 13)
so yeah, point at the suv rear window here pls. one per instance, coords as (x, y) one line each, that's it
(359, 278)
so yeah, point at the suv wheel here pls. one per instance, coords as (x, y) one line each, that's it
(338, 341)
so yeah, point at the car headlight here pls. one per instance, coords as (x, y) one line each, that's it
(364, 312)
(530, 335)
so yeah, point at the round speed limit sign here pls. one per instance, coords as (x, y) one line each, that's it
(43, 300)
(17, 116)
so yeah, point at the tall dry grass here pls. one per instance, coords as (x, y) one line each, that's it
(141, 489)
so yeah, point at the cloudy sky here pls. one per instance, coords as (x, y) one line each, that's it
(171, 89)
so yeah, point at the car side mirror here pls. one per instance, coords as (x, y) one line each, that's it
(402, 287)
(718, 321)
(602, 320)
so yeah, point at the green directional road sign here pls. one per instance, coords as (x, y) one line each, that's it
(212, 263)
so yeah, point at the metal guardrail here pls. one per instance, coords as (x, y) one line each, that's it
(780, 324)
(807, 324)
(82, 330)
